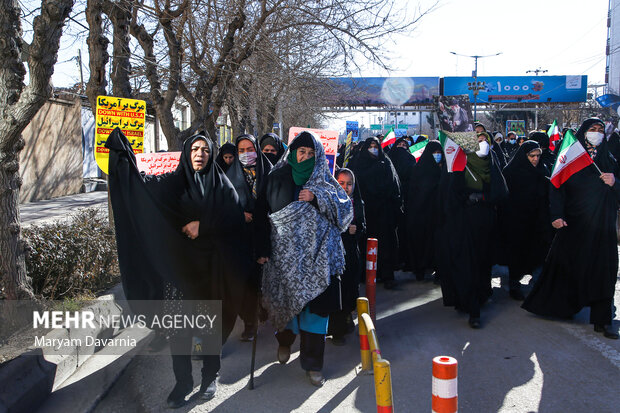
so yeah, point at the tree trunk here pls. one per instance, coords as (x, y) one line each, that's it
(17, 284)
(18, 105)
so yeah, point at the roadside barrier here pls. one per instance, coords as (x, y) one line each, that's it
(445, 388)
(371, 358)
(372, 247)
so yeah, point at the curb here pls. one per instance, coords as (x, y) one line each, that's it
(52, 381)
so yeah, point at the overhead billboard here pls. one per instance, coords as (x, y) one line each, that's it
(379, 91)
(526, 89)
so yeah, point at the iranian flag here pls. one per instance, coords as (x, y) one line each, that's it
(554, 135)
(417, 149)
(456, 159)
(572, 158)
(389, 138)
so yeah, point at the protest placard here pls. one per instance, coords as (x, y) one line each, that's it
(127, 114)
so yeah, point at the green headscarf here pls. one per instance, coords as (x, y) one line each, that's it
(301, 171)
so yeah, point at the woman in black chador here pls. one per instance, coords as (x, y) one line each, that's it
(403, 162)
(422, 209)
(341, 322)
(380, 190)
(271, 145)
(581, 268)
(526, 214)
(469, 202)
(226, 155)
(247, 174)
(177, 238)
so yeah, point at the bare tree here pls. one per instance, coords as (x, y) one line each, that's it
(19, 103)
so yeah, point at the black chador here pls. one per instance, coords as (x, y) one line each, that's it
(274, 140)
(525, 216)
(422, 209)
(380, 188)
(248, 180)
(582, 265)
(227, 148)
(469, 201)
(158, 260)
(403, 162)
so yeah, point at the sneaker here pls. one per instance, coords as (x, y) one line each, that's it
(207, 390)
(316, 378)
(284, 353)
(248, 333)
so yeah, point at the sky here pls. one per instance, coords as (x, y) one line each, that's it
(564, 37)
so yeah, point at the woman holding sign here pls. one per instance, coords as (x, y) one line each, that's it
(299, 217)
(581, 268)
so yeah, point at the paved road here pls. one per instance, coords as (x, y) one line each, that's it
(517, 363)
(60, 208)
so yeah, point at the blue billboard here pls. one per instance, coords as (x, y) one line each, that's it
(526, 89)
(379, 91)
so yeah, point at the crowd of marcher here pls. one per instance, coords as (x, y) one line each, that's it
(268, 230)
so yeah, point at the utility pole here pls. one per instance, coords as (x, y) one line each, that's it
(475, 86)
(79, 62)
(537, 71)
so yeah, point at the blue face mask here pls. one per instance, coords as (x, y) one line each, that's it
(513, 141)
(437, 157)
(374, 151)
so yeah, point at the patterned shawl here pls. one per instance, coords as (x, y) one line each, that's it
(306, 245)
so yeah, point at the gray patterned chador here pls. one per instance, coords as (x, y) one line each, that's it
(299, 217)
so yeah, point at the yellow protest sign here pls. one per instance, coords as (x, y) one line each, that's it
(113, 112)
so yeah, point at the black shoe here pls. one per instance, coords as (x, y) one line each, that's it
(350, 325)
(338, 341)
(249, 332)
(207, 390)
(517, 294)
(606, 330)
(474, 322)
(176, 398)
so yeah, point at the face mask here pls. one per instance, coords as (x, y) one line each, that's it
(247, 158)
(273, 157)
(437, 157)
(374, 151)
(595, 138)
(512, 141)
(484, 149)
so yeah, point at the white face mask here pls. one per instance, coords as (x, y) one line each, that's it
(374, 151)
(484, 149)
(247, 158)
(595, 138)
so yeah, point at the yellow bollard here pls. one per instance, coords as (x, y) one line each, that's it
(362, 308)
(373, 341)
(383, 386)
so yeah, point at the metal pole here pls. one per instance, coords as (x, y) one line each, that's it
(475, 88)
(81, 73)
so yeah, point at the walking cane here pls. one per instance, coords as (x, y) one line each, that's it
(251, 382)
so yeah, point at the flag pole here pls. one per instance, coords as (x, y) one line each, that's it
(472, 175)
(597, 168)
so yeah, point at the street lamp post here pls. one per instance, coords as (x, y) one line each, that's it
(475, 86)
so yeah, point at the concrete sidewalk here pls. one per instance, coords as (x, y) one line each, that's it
(55, 209)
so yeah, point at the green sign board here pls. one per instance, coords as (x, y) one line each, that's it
(375, 127)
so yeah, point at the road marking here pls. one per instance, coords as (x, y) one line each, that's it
(594, 343)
